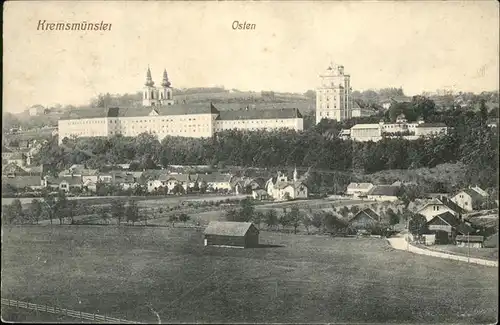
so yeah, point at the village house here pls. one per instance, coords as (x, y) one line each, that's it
(122, 179)
(446, 227)
(358, 189)
(170, 181)
(17, 158)
(365, 219)
(65, 183)
(470, 199)
(217, 181)
(260, 195)
(280, 188)
(231, 234)
(470, 241)
(245, 185)
(437, 206)
(383, 193)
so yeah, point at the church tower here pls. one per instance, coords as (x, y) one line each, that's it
(333, 96)
(149, 94)
(295, 175)
(166, 96)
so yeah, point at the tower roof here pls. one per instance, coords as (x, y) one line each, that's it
(165, 82)
(149, 80)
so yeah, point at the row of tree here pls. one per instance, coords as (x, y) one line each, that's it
(335, 222)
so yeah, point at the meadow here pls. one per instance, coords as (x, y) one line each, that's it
(135, 272)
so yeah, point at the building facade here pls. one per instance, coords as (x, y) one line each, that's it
(333, 96)
(280, 188)
(160, 116)
(409, 131)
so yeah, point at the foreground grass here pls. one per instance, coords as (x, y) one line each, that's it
(130, 272)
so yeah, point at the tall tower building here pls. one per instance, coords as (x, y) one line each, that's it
(157, 96)
(166, 97)
(333, 96)
(149, 97)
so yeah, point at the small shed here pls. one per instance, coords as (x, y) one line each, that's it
(469, 241)
(231, 234)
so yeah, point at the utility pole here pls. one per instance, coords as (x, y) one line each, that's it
(468, 247)
(408, 233)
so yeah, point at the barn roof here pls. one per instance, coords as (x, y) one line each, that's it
(387, 190)
(228, 228)
(474, 239)
(361, 186)
(369, 212)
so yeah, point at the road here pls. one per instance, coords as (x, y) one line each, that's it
(399, 242)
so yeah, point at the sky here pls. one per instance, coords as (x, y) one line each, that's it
(420, 46)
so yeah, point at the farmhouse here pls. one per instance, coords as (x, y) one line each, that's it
(438, 206)
(357, 189)
(364, 219)
(217, 182)
(280, 188)
(383, 193)
(446, 226)
(231, 234)
(469, 241)
(469, 199)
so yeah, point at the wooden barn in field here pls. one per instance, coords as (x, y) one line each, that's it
(231, 234)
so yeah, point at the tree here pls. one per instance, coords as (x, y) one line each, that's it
(184, 217)
(284, 220)
(35, 210)
(257, 218)
(14, 212)
(144, 217)
(50, 205)
(318, 219)
(344, 211)
(307, 222)
(294, 218)
(232, 215)
(132, 212)
(72, 210)
(246, 210)
(105, 216)
(118, 210)
(178, 189)
(271, 218)
(393, 217)
(173, 218)
(416, 224)
(354, 209)
(61, 206)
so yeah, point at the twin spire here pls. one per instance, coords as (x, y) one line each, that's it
(150, 83)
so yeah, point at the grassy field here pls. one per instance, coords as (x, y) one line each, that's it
(129, 272)
(486, 253)
(19, 315)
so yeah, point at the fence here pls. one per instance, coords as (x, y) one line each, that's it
(65, 312)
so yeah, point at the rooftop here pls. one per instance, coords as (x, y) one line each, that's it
(254, 114)
(387, 190)
(228, 228)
